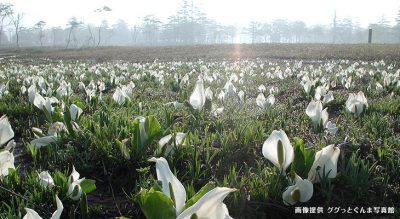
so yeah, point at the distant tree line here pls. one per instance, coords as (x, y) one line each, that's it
(188, 25)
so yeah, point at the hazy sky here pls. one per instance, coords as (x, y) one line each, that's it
(235, 12)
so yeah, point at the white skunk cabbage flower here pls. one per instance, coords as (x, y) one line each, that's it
(278, 150)
(6, 132)
(74, 187)
(221, 96)
(327, 98)
(325, 159)
(230, 89)
(179, 140)
(90, 93)
(32, 214)
(169, 181)
(175, 104)
(125, 149)
(75, 190)
(60, 208)
(273, 90)
(120, 96)
(198, 97)
(379, 87)
(356, 103)
(209, 93)
(331, 128)
(263, 102)
(307, 85)
(43, 141)
(142, 130)
(215, 110)
(318, 115)
(6, 162)
(45, 179)
(56, 128)
(43, 103)
(241, 95)
(32, 92)
(74, 175)
(262, 88)
(209, 206)
(320, 91)
(302, 191)
(52, 134)
(75, 112)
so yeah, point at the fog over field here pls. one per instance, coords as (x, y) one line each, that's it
(77, 24)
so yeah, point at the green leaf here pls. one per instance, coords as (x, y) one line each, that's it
(152, 127)
(157, 186)
(68, 121)
(84, 206)
(88, 185)
(125, 151)
(119, 144)
(303, 158)
(33, 150)
(206, 188)
(47, 114)
(61, 181)
(156, 205)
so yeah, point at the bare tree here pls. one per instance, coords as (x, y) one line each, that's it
(5, 12)
(40, 25)
(74, 24)
(334, 29)
(91, 39)
(56, 31)
(134, 34)
(16, 20)
(100, 10)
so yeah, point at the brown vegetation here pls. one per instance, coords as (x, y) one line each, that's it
(365, 52)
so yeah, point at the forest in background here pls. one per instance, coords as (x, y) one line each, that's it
(189, 25)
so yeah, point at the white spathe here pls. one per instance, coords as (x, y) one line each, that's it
(175, 104)
(44, 103)
(75, 190)
(6, 132)
(75, 112)
(60, 208)
(302, 191)
(120, 96)
(179, 140)
(74, 185)
(318, 115)
(168, 179)
(43, 141)
(198, 97)
(270, 150)
(210, 205)
(331, 128)
(6, 162)
(32, 214)
(263, 102)
(326, 159)
(56, 128)
(356, 103)
(45, 179)
(209, 93)
(328, 97)
(74, 175)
